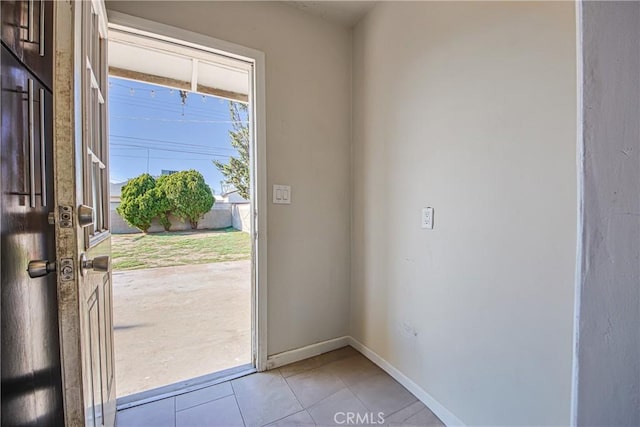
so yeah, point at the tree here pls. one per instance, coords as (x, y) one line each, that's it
(188, 195)
(236, 171)
(162, 206)
(136, 207)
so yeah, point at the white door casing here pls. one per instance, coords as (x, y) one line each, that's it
(154, 30)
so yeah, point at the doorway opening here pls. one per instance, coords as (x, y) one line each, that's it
(184, 197)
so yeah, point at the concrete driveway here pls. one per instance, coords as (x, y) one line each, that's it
(175, 323)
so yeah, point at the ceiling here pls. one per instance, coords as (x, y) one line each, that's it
(137, 57)
(345, 13)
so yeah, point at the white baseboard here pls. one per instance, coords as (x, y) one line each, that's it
(291, 356)
(441, 412)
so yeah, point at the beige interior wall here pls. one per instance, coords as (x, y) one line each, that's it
(469, 108)
(308, 140)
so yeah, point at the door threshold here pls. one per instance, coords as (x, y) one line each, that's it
(176, 389)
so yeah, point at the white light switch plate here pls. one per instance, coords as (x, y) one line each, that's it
(427, 218)
(282, 194)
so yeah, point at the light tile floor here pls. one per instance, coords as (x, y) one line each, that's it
(323, 390)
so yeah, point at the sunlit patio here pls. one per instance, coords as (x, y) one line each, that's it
(176, 323)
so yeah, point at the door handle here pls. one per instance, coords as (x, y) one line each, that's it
(99, 263)
(32, 154)
(30, 35)
(41, 28)
(43, 153)
(40, 267)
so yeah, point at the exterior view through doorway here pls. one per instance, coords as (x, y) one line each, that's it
(184, 194)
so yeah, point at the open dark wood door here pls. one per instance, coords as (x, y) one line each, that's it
(82, 222)
(31, 384)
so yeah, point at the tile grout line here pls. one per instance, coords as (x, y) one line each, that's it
(280, 419)
(300, 403)
(346, 386)
(301, 372)
(356, 395)
(385, 415)
(307, 371)
(203, 403)
(244, 423)
(318, 357)
(405, 407)
(294, 394)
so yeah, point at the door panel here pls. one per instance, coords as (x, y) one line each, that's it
(82, 175)
(31, 379)
(95, 398)
(109, 365)
(38, 44)
(27, 30)
(12, 25)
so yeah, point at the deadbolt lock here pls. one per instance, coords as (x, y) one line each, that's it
(85, 215)
(65, 214)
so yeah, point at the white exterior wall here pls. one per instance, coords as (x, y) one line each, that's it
(241, 217)
(217, 218)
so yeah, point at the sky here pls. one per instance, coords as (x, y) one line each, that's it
(150, 130)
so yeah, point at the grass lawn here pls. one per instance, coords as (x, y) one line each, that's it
(137, 251)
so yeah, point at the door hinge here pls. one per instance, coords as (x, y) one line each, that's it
(66, 216)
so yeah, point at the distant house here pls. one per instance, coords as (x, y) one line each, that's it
(115, 190)
(232, 196)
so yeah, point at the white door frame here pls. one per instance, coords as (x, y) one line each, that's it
(259, 193)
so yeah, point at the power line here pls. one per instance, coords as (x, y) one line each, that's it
(158, 119)
(159, 158)
(146, 147)
(187, 111)
(197, 115)
(159, 104)
(154, 90)
(133, 146)
(160, 90)
(168, 103)
(164, 141)
(222, 156)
